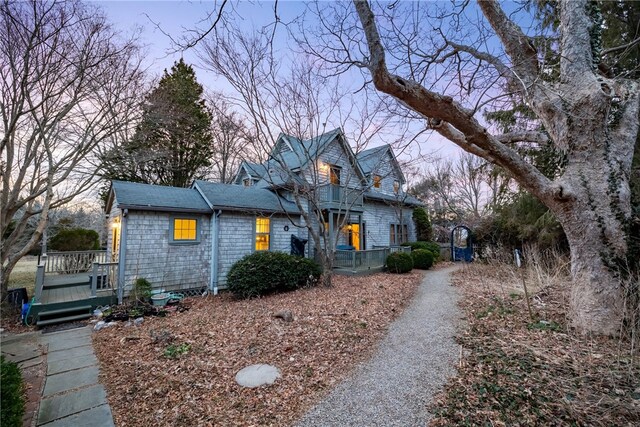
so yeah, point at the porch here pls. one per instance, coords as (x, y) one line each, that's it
(70, 285)
(364, 262)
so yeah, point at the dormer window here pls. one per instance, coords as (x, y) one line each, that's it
(377, 179)
(246, 182)
(396, 187)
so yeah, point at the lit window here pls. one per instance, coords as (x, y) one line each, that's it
(262, 234)
(185, 229)
(334, 175)
(376, 181)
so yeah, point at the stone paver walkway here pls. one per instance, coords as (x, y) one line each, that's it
(72, 395)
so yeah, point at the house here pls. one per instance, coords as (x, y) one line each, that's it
(188, 238)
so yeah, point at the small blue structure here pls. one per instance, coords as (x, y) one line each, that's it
(461, 244)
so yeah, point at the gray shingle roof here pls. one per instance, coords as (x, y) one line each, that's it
(256, 170)
(405, 198)
(371, 158)
(238, 197)
(133, 195)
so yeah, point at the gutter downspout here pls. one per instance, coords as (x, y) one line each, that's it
(121, 255)
(215, 232)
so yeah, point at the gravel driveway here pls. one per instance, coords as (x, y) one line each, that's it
(412, 362)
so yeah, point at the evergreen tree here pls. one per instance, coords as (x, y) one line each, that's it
(172, 144)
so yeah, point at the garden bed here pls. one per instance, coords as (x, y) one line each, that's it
(179, 370)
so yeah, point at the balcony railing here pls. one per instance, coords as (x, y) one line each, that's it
(346, 197)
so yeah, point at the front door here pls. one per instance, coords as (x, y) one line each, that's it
(355, 236)
(115, 240)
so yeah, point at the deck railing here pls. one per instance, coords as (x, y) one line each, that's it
(104, 275)
(370, 259)
(73, 262)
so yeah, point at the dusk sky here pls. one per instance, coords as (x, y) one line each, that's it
(178, 17)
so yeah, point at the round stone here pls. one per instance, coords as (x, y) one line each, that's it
(257, 375)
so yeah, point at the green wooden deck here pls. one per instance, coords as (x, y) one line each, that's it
(70, 294)
(63, 294)
(51, 280)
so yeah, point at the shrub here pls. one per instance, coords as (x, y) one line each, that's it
(11, 401)
(263, 273)
(141, 289)
(399, 262)
(432, 247)
(424, 230)
(75, 239)
(422, 259)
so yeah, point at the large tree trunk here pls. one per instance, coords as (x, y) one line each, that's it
(597, 297)
(595, 219)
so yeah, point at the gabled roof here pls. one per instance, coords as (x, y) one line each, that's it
(133, 195)
(241, 198)
(370, 159)
(255, 170)
(304, 151)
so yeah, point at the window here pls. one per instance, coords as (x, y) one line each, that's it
(184, 230)
(263, 228)
(376, 181)
(246, 182)
(334, 175)
(398, 234)
(396, 187)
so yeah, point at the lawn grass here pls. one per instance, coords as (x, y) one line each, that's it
(24, 275)
(23, 279)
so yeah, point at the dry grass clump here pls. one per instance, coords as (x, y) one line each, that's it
(179, 370)
(520, 371)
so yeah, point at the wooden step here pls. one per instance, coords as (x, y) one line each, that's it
(63, 319)
(49, 313)
(66, 282)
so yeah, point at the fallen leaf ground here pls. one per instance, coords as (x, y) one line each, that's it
(518, 372)
(333, 330)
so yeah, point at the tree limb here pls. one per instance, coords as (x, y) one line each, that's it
(446, 116)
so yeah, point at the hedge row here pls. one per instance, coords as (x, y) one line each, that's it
(432, 247)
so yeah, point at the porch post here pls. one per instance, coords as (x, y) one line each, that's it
(331, 242)
(122, 255)
(94, 280)
(40, 278)
(361, 233)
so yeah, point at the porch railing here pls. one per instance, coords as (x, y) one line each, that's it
(345, 196)
(73, 262)
(104, 275)
(370, 259)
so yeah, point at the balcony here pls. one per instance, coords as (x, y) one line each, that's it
(332, 196)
